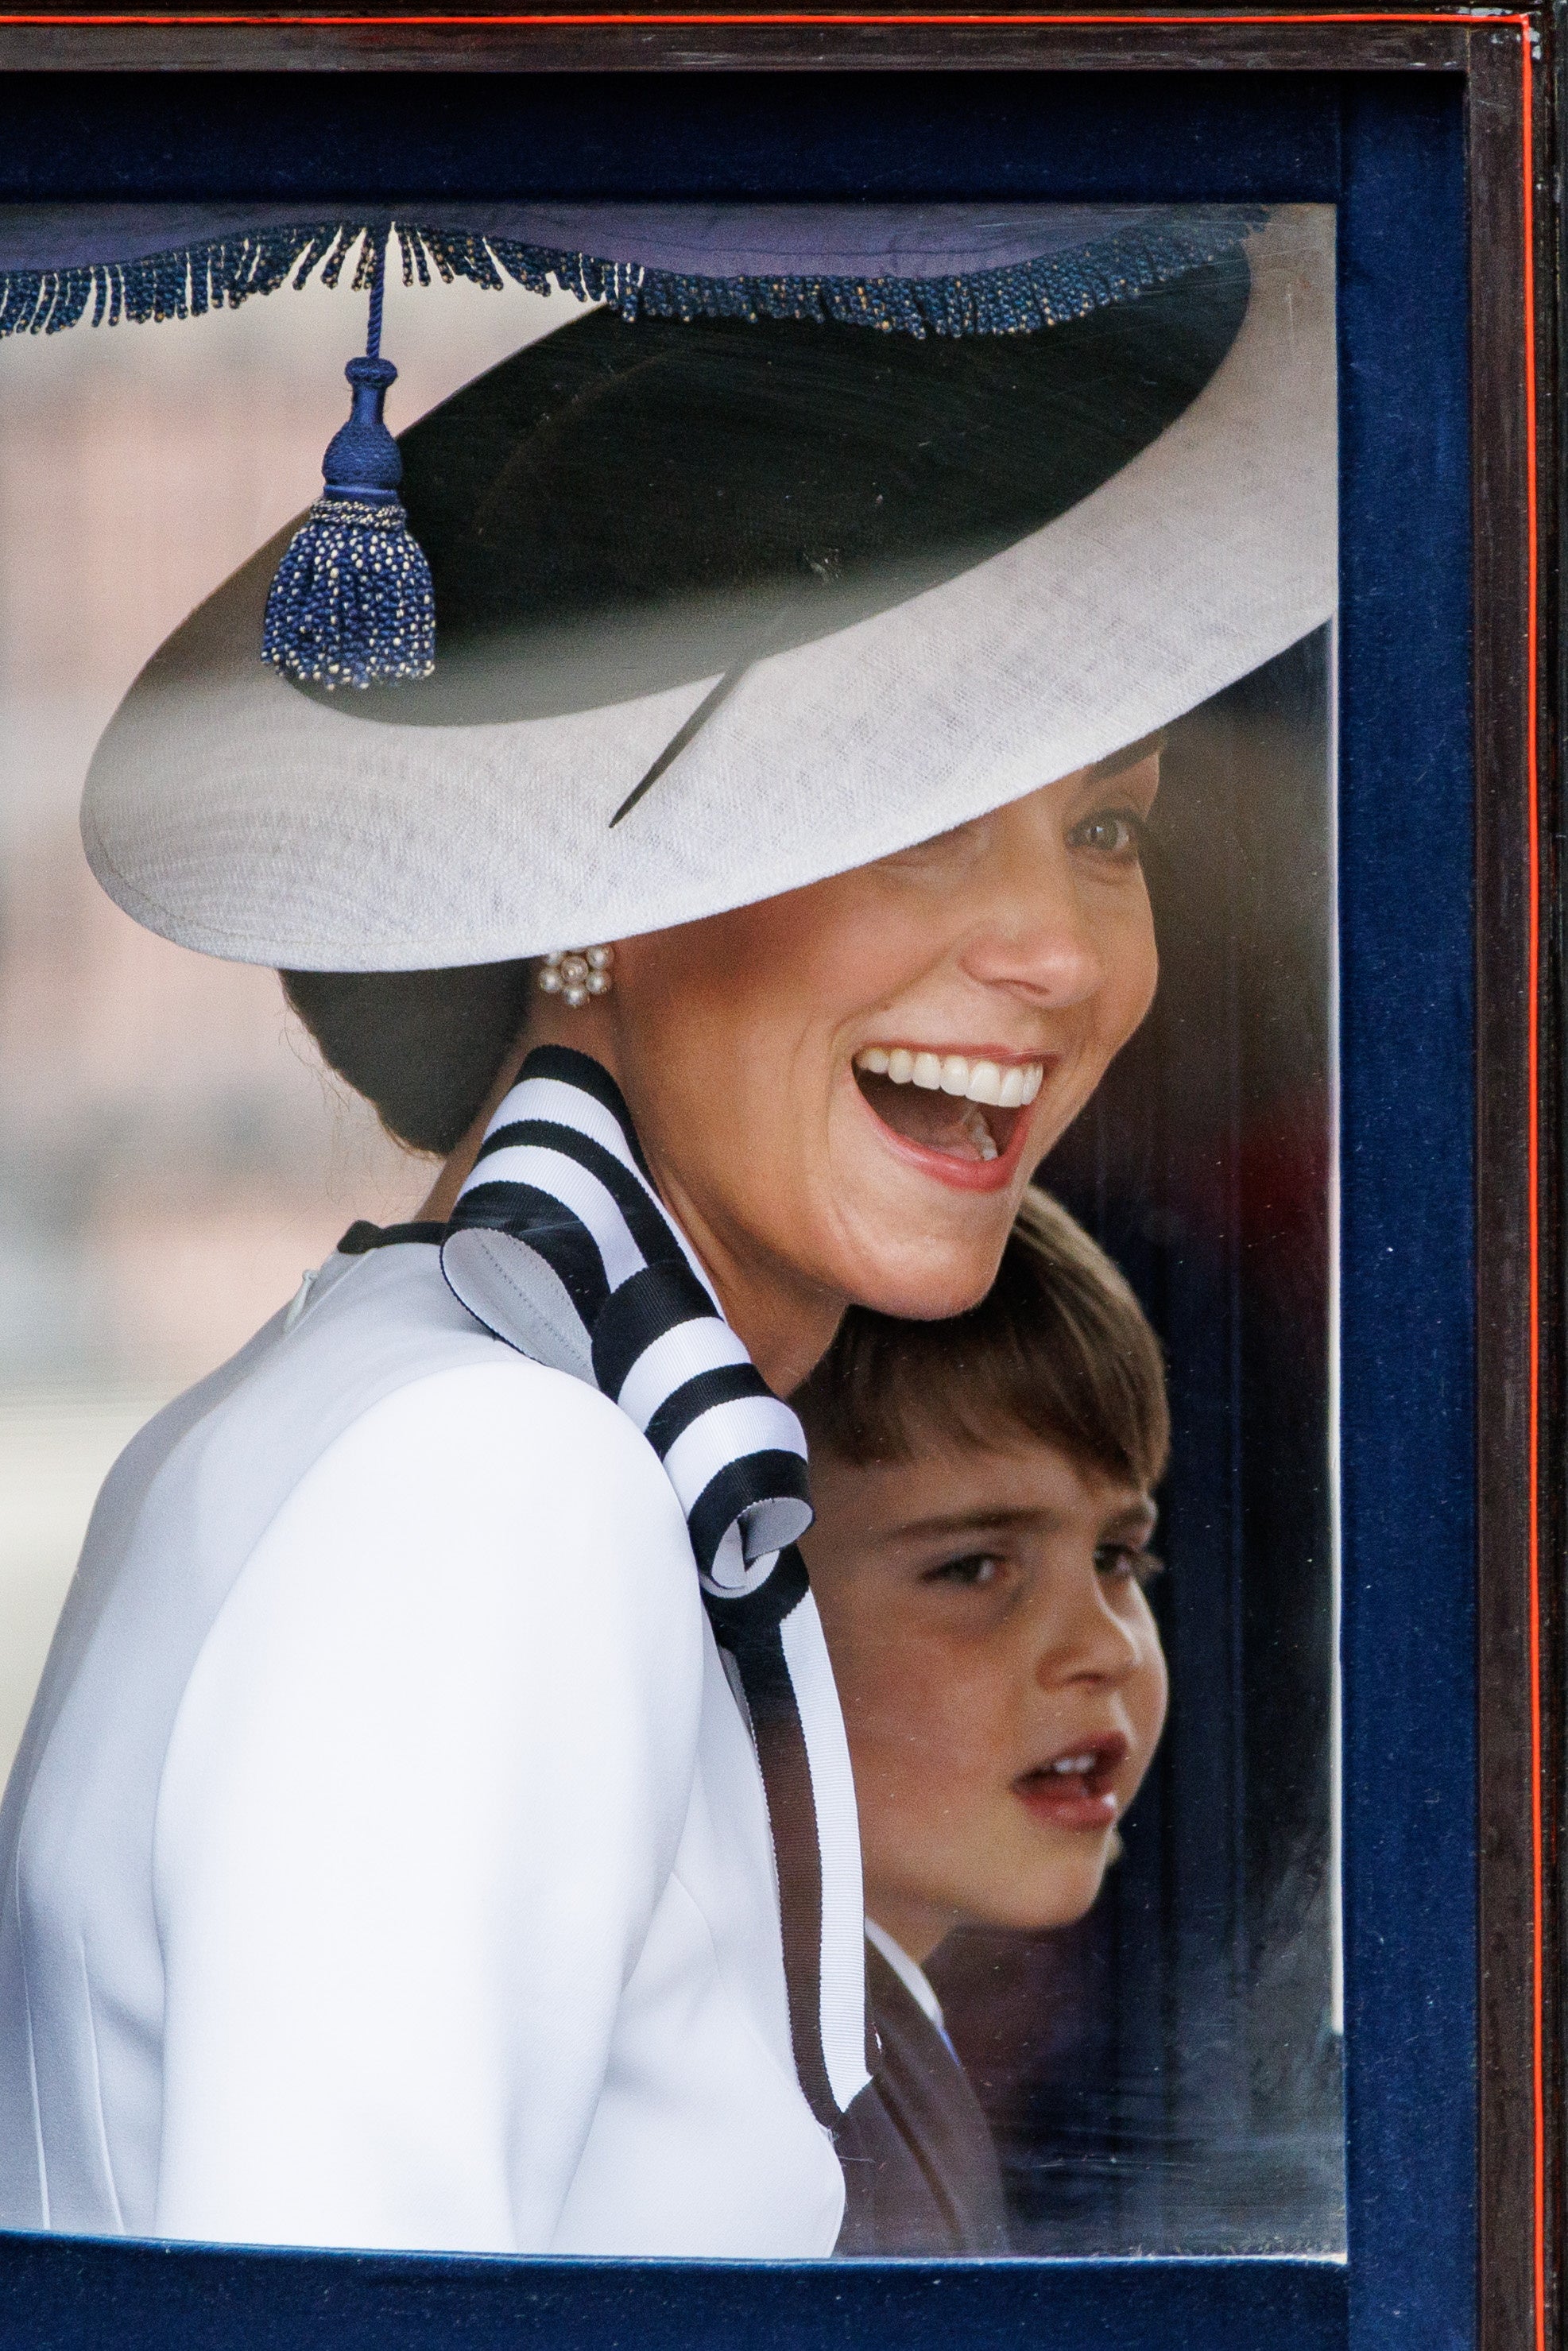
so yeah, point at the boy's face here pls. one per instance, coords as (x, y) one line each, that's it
(1002, 1680)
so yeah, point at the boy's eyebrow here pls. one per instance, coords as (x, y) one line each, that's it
(1139, 1513)
(973, 1522)
(1141, 1518)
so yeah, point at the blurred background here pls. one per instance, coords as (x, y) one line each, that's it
(1165, 2076)
(171, 1154)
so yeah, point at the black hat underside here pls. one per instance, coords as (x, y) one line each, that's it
(629, 506)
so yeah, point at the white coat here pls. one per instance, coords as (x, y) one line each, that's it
(386, 1863)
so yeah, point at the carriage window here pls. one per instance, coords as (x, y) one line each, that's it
(1152, 2049)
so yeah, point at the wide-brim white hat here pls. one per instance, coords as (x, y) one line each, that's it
(233, 812)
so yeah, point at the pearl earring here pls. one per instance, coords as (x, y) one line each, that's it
(576, 974)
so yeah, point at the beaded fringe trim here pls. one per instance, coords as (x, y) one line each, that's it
(186, 284)
(1011, 301)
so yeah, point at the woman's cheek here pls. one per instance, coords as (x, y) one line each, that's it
(1148, 955)
(1132, 961)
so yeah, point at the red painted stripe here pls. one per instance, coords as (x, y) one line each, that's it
(1532, 645)
(470, 23)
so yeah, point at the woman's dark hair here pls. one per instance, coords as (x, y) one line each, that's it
(422, 1046)
(1058, 1349)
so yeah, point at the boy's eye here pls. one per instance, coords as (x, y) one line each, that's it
(1116, 834)
(975, 1571)
(1122, 1562)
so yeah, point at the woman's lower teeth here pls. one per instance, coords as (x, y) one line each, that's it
(974, 1125)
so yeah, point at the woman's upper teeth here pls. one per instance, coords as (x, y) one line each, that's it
(1065, 1763)
(1013, 1088)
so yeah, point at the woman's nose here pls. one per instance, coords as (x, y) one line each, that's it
(1034, 934)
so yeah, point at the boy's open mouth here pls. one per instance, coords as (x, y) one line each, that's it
(964, 1106)
(1076, 1790)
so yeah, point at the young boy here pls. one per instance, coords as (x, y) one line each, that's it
(983, 1494)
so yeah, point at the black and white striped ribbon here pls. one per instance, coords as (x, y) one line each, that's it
(560, 1245)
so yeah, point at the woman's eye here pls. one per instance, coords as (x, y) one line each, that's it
(973, 1571)
(1123, 1564)
(1116, 834)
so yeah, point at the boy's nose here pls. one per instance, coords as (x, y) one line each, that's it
(1087, 1641)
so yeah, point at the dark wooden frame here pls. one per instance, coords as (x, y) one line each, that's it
(1521, 683)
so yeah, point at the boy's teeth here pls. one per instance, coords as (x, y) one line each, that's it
(1013, 1088)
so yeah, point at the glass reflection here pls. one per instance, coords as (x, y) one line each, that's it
(1161, 2072)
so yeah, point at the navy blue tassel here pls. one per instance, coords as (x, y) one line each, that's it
(352, 603)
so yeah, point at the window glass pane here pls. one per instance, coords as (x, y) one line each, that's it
(1156, 2059)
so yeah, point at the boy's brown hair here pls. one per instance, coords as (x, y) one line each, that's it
(1059, 1349)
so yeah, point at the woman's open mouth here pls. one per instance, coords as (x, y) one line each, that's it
(1076, 1790)
(964, 1108)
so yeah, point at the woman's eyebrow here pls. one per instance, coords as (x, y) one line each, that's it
(1116, 763)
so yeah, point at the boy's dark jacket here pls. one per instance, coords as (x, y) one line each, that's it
(920, 2174)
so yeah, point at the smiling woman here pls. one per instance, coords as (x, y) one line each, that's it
(1085, 951)
(440, 1765)
(1017, 942)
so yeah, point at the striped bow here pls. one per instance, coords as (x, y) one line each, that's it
(560, 1245)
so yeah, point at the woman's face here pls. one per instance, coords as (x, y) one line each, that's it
(843, 1091)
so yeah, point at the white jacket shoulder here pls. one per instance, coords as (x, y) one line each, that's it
(425, 1788)
(496, 1443)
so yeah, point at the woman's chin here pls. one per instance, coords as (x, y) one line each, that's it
(932, 1287)
(922, 1260)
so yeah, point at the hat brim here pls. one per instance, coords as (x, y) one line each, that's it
(235, 815)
